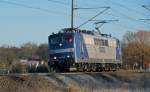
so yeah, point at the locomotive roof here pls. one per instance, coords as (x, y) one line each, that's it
(90, 32)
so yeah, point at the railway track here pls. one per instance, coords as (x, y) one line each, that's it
(46, 74)
(69, 73)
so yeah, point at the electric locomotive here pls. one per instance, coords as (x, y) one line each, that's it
(83, 50)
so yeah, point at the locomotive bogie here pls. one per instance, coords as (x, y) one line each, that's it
(96, 67)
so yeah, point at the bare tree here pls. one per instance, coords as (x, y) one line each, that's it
(42, 51)
(7, 55)
(27, 50)
(136, 48)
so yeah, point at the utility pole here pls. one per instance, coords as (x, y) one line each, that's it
(72, 14)
(73, 8)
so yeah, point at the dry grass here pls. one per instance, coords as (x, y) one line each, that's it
(25, 84)
(104, 82)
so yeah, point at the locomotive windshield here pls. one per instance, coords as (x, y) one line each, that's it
(55, 40)
(61, 41)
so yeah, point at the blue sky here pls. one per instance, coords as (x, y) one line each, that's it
(24, 21)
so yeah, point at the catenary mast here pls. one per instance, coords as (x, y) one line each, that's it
(72, 14)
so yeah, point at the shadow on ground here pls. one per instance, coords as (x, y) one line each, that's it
(88, 82)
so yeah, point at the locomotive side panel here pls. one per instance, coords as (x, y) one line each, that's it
(100, 53)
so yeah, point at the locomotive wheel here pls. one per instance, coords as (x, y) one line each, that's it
(99, 68)
(114, 67)
(118, 67)
(93, 68)
(88, 67)
(107, 68)
(85, 66)
(78, 67)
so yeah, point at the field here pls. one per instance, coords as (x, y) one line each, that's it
(122, 81)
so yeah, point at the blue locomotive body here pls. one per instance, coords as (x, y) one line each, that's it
(84, 51)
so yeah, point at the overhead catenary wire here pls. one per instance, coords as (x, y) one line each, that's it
(59, 2)
(62, 13)
(127, 8)
(146, 7)
(122, 14)
(128, 17)
(89, 8)
(124, 26)
(106, 8)
(36, 8)
(32, 7)
(123, 6)
(145, 19)
(16, 3)
(76, 8)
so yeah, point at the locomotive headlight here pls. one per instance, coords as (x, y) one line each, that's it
(55, 58)
(60, 44)
(68, 56)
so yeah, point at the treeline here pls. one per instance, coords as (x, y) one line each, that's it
(10, 54)
(136, 49)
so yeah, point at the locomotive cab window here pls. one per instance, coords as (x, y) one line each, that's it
(61, 39)
(54, 40)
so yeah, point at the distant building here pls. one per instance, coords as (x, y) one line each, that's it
(4, 71)
(33, 61)
(4, 68)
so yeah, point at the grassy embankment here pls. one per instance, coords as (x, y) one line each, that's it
(101, 82)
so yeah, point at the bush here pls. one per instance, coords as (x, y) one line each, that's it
(42, 69)
(31, 69)
(23, 68)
